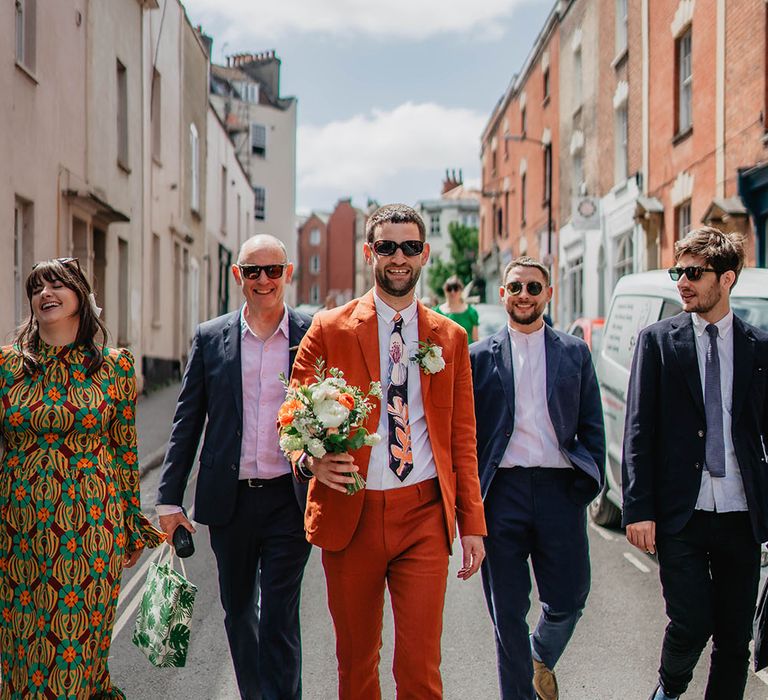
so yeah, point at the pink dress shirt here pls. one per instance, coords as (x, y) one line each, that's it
(261, 362)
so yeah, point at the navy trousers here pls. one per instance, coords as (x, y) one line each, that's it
(261, 556)
(710, 572)
(530, 515)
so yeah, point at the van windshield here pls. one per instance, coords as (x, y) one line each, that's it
(753, 311)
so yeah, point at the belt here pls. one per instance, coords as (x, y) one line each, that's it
(265, 483)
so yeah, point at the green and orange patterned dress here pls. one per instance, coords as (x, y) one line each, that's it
(69, 512)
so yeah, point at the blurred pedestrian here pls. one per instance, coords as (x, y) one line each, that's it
(694, 466)
(245, 491)
(541, 455)
(421, 479)
(457, 309)
(330, 301)
(69, 491)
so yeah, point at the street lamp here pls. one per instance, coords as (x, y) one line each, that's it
(547, 145)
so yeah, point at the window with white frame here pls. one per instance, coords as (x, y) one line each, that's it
(22, 245)
(122, 115)
(546, 84)
(523, 121)
(621, 26)
(624, 250)
(576, 287)
(259, 140)
(194, 161)
(314, 294)
(577, 78)
(522, 198)
(621, 143)
(156, 112)
(314, 264)
(683, 220)
(26, 36)
(577, 160)
(259, 203)
(154, 279)
(684, 72)
(434, 224)
(315, 236)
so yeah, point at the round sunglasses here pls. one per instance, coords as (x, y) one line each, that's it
(534, 288)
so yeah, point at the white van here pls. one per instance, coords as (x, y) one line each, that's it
(637, 301)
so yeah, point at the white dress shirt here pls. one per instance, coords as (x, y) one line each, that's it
(380, 476)
(533, 442)
(721, 494)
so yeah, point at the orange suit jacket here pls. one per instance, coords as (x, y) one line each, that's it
(347, 338)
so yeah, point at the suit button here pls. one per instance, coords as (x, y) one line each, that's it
(238, 433)
(701, 433)
(697, 466)
(507, 433)
(233, 467)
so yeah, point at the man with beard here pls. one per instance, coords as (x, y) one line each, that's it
(421, 479)
(541, 454)
(694, 471)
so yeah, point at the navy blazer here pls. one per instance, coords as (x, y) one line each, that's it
(212, 390)
(665, 428)
(573, 400)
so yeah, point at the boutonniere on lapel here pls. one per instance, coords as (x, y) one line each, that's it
(429, 357)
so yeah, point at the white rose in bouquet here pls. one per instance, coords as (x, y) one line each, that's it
(330, 413)
(316, 448)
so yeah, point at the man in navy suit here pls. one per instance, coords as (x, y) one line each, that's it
(541, 454)
(694, 470)
(246, 492)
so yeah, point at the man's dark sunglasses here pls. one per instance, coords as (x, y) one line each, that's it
(61, 261)
(692, 272)
(387, 248)
(252, 272)
(534, 288)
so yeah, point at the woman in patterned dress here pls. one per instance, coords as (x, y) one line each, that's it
(70, 515)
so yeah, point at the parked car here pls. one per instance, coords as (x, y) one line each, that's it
(639, 300)
(492, 318)
(590, 330)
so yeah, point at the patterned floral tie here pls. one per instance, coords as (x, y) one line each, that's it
(400, 454)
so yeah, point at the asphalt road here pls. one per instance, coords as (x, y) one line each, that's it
(613, 655)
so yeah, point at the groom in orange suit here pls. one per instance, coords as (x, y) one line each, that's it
(421, 479)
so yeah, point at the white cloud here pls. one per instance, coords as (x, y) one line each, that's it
(384, 153)
(408, 19)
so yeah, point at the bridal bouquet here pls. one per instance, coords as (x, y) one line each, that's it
(326, 416)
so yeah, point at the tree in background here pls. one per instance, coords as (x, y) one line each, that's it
(463, 253)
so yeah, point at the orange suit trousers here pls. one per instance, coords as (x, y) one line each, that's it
(400, 543)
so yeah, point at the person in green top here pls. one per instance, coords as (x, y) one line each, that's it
(457, 309)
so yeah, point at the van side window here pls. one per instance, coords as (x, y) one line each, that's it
(670, 308)
(627, 317)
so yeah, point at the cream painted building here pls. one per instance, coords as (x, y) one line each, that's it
(262, 125)
(229, 219)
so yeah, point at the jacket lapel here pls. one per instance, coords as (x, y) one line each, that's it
(231, 335)
(743, 360)
(367, 332)
(684, 343)
(553, 349)
(427, 331)
(502, 356)
(297, 327)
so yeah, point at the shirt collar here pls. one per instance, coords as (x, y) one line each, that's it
(245, 329)
(724, 325)
(387, 313)
(517, 335)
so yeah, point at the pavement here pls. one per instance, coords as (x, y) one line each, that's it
(154, 415)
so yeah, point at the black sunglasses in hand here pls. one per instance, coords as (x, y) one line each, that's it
(252, 272)
(386, 248)
(534, 288)
(692, 272)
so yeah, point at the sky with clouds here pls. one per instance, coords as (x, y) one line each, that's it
(391, 94)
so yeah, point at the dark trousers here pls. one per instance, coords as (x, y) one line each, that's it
(261, 556)
(529, 514)
(710, 572)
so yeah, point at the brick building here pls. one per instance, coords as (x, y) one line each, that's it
(328, 252)
(519, 178)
